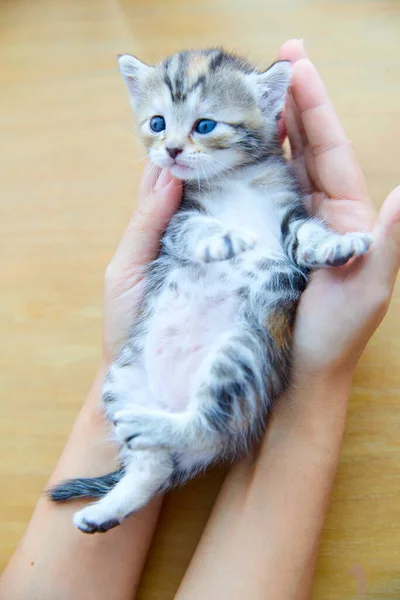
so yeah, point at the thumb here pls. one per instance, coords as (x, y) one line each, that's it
(385, 257)
(159, 198)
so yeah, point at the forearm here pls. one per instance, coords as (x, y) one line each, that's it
(262, 538)
(54, 559)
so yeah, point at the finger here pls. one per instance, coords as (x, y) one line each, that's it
(292, 50)
(294, 127)
(341, 214)
(338, 169)
(150, 176)
(384, 259)
(298, 144)
(312, 169)
(282, 132)
(140, 243)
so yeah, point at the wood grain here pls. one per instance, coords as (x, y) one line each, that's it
(68, 179)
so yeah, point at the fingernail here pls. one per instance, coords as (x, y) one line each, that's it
(163, 180)
(301, 42)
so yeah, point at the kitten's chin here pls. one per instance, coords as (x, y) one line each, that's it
(183, 172)
(186, 173)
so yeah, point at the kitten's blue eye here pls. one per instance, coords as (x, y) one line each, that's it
(157, 124)
(205, 126)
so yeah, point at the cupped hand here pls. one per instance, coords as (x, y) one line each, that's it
(341, 307)
(158, 199)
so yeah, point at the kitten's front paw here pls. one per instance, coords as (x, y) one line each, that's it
(93, 519)
(225, 247)
(141, 430)
(337, 251)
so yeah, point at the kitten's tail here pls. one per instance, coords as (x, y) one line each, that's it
(84, 487)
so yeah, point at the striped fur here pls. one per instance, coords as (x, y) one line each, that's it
(93, 487)
(214, 84)
(210, 350)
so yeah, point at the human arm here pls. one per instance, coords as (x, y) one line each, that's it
(262, 539)
(54, 559)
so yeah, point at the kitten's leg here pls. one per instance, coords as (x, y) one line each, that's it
(193, 236)
(125, 384)
(229, 396)
(146, 474)
(311, 244)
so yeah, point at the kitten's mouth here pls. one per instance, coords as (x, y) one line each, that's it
(180, 169)
(181, 166)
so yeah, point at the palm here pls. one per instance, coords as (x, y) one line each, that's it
(326, 166)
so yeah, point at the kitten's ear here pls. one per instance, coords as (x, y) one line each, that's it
(272, 86)
(133, 71)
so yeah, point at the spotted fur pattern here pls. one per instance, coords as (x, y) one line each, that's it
(210, 349)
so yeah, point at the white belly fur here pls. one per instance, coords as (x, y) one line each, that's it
(187, 322)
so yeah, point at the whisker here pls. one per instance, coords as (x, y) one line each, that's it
(202, 168)
(205, 173)
(135, 161)
(213, 160)
(197, 177)
(215, 172)
(153, 168)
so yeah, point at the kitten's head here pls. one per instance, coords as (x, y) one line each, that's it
(202, 113)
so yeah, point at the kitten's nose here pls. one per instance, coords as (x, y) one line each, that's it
(173, 152)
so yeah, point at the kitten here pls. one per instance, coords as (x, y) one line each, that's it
(210, 350)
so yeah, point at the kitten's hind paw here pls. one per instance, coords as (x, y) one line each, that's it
(91, 520)
(337, 250)
(225, 247)
(139, 430)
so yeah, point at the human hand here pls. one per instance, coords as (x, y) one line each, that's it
(158, 199)
(341, 307)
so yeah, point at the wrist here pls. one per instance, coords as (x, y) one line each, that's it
(321, 398)
(312, 413)
(333, 382)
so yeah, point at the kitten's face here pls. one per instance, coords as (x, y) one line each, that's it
(203, 113)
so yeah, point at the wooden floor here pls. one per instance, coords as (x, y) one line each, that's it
(68, 178)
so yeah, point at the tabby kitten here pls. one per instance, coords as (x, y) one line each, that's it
(210, 349)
